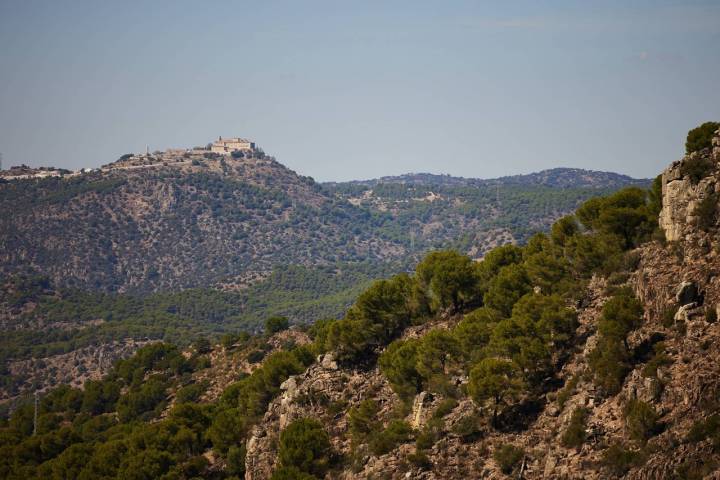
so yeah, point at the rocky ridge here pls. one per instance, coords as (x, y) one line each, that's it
(678, 283)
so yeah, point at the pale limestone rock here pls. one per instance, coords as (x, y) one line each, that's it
(417, 409)
(328, 362)
(681, 197)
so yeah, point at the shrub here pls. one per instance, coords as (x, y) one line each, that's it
(707, 211)
(236, 460)
(701, 137)
(695, 470)
(256, 356)
(426, 439)
(702, 429)
(191, 393)
(574, 435)
(445, 407)
(305, 445)
(468, 427)
(276, 324)
(508, 457)
(668, 316)
(567, 391)
(397, 432)
(620, 315)
(696, 168)
(202, 345)
(618, 460)
(711, 315)
(641, 420)
(362, 420)
(609, 362)
(230, 339)
(291, 473)
(659, 359)
(228, 429)
(420, 460)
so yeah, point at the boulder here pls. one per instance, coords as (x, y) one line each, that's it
(687, 293)
(328, 362)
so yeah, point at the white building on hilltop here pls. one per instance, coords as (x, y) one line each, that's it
(228, 145)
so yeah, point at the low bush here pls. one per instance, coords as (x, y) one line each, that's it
(426, 439)
(609, 362)
(700, 137)
(362, 420)
(468, 427)
(305, 445)
(695, 470)
(191, 393)
(618, 460)
(659, 359)
(641, 420)
(420, 460)
(445, 407)
(696, 168)
(567, 391)
(575, 434)
(236, 460)
(706, 211)
(508, 457)
(276, 324)
(256, 356)
(397, 432)
(668, 316)
(703, 429)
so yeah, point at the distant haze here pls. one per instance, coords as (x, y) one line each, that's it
(346, 90)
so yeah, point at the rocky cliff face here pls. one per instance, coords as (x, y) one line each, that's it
(678, 283)
(682, 193)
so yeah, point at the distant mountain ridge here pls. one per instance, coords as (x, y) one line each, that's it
(561, 177)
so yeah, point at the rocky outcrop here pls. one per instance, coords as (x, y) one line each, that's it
(324, 392)
(681, 195)
(678, 284)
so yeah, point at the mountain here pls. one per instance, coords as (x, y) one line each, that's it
(214, 221)
(554, 177)
(174, 247)
(590, 352)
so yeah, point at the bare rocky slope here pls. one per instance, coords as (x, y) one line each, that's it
(678, 283)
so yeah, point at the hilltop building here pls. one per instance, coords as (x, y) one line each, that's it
(228, 145)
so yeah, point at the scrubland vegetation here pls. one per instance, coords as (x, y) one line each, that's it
(515, 328)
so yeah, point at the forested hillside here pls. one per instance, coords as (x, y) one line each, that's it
(231, 221)
(589, 352)
(505, 323)
(97, 262)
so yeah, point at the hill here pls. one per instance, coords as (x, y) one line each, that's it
(227, 222)
(97, 263)
(589, 352)
(554, 177)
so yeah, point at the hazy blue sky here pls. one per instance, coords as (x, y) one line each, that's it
(341, 90)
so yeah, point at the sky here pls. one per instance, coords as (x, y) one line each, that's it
(342, 90)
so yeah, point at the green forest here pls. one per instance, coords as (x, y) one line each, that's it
(297, 292)
(515, 330)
